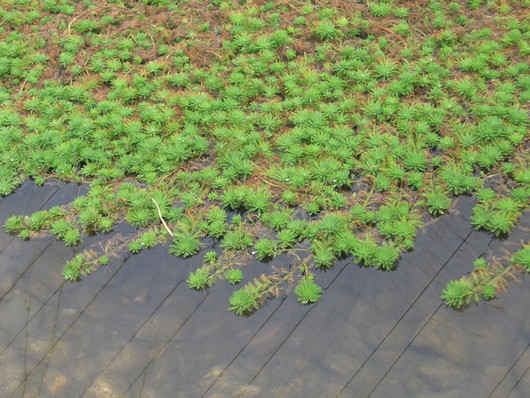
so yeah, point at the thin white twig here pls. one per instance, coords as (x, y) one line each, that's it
(161, 218)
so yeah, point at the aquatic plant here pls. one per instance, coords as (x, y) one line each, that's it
(522, 258)
(323, 254)
(198, 280)
(302, 129)
(234, 276)
(72, 269)
(242, 302)
(496, 213)
(185, 245)
(331, 224)
(381, 9)
(265, 248)
(437, 201)
(326, 30)
(277, 220)
(307, 291)
(249, 298)
(457, 293)
(486, 279)
(385, 256)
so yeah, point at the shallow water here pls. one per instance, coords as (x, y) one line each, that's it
(134, 329)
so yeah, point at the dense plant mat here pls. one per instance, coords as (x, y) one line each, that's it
(316, 130)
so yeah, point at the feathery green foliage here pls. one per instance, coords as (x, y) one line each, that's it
(307, 291)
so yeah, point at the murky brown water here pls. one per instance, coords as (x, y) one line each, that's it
(134, 329)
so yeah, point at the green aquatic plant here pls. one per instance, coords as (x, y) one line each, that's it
(500, 224)
(135, 247)
(289, 198)
(259, 200)
(236, 240)
(14, 224)
(82, 265)
(331, 224)
(415, 160)
(185, 245)
(313, 208)
(243, 302)
(216, 229)
(72, 271)
(152, 237)
(437, 201)
(71, 237)
(381, 9)
(520, 195)
(385, 256)
(323, 254)
(326, 30)
(496, 214)
(307, 291)
(457, 181)
(522, 258)
(483, 283)
(457, 293)
(248, 299)
(364, 250)
(198, 280)
(277, 220)
(249, 137)
(385, 70)
(265, 248)
(234, 276)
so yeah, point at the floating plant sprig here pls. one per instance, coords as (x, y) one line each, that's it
(486, 279)
(217, 267)
(307, 291)
(250, 297)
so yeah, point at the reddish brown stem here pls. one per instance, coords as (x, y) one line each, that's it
(394, 33)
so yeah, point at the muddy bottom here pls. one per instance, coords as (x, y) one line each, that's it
(134, 329)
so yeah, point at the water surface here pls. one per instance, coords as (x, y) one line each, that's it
(134, 329)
